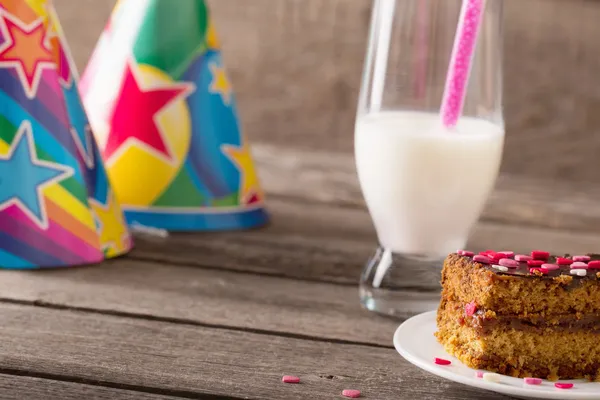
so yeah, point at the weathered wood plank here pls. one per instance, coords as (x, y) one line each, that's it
(331, 177)
(16, 387)
(325, 242)
(188, 360)
(214, 298)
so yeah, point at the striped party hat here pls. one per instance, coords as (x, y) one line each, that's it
(164, 114)
(57, 208)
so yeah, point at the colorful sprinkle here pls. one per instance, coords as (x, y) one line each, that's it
(351, 393)
(540, 270)
(522, 257)
(507, 254)
(482, 259)
(508, 263)
(290, 379)
(441, 361)
(479, 374)
(581, 258)
(540, 255)
(465, 253)
(579, 265)
(564, 261)
(533, 381)
(562, 385)
(550, 267)
(535, 263)
(594, 265)
(491, 377)
(579, 272)
(500, 268)
(470, 309)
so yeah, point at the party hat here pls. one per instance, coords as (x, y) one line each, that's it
(164, 115)
(57, 208)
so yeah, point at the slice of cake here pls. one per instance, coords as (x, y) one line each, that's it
(525, 315)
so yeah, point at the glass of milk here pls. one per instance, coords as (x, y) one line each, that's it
(424, 185)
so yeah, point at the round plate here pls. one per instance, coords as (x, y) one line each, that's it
(414, 341)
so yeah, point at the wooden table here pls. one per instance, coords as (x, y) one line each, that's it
(225, 315)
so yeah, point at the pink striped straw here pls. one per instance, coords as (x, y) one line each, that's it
(459, 70)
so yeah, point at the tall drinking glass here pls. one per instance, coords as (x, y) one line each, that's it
(425, 185)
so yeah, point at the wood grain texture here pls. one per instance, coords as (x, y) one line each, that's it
(330, 177)
(214, 298)
(188, 361)
(326, 242)
(15, 387)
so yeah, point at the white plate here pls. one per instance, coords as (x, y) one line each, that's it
(414, 341)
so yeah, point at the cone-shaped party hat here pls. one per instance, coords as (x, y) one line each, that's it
(56, 204)
(164, 115)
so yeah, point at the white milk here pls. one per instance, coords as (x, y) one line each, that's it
(425, 187)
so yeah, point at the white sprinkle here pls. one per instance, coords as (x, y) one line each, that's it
(579, 272)
(491, 377)
(500, 268)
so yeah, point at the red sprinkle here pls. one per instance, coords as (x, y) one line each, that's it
(508, 263)
(561, 385)
(550, 267)
(581, 258)
(594, 265)
(564, 261)
(482, 259)
(290, 379)
(533, 381)
(507, 254)
(470, 308)
(541, 270)
(579, 265)
(441, 361)
(522, 257)
(351, 393)
(535, 263)
(540, 255)
(465, 253)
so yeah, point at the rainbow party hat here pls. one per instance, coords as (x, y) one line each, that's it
(57, 208)
(164, 114)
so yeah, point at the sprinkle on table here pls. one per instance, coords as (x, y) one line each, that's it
(290, 379)
(562, 385)
(442, 361)
(533, 381)
(351, 393)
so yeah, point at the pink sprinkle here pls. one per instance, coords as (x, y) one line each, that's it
(533, 381)
(581, 258)
(522, 257)
(479, 374)
(535, 263)
(594, 264)
(508, 263)
(562, 385)
(465, 253)
(534, 270)
(540, 255)
(352, 393)
(550, 267)
(441, 361)
(507, 254)
(470, 308)
(488, 253)
(290, 379)
(564, 261)
(482, 259)
(579, 265)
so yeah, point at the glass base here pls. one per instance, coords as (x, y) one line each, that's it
(388, 277)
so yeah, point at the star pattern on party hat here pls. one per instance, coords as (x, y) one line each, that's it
(25, 50)
(134, 118)
(114, 235)
(80, 127)
(249, 189)
(23, 177)
(220, 83)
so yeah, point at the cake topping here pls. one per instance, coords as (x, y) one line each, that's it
(563, 261)
(522, 257)
(479, 374)
(507, 262)
(594, 265)
(535, 263)
(579, 265)
(540, 255)
(562, 385)
(500, 268)
(538, 271)
(482, 259)
(465, 253)
(532, 381)
(550, 267)
(507, 254)
(441, 361)
(579, 272)
(581, 258)
(470, 309)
